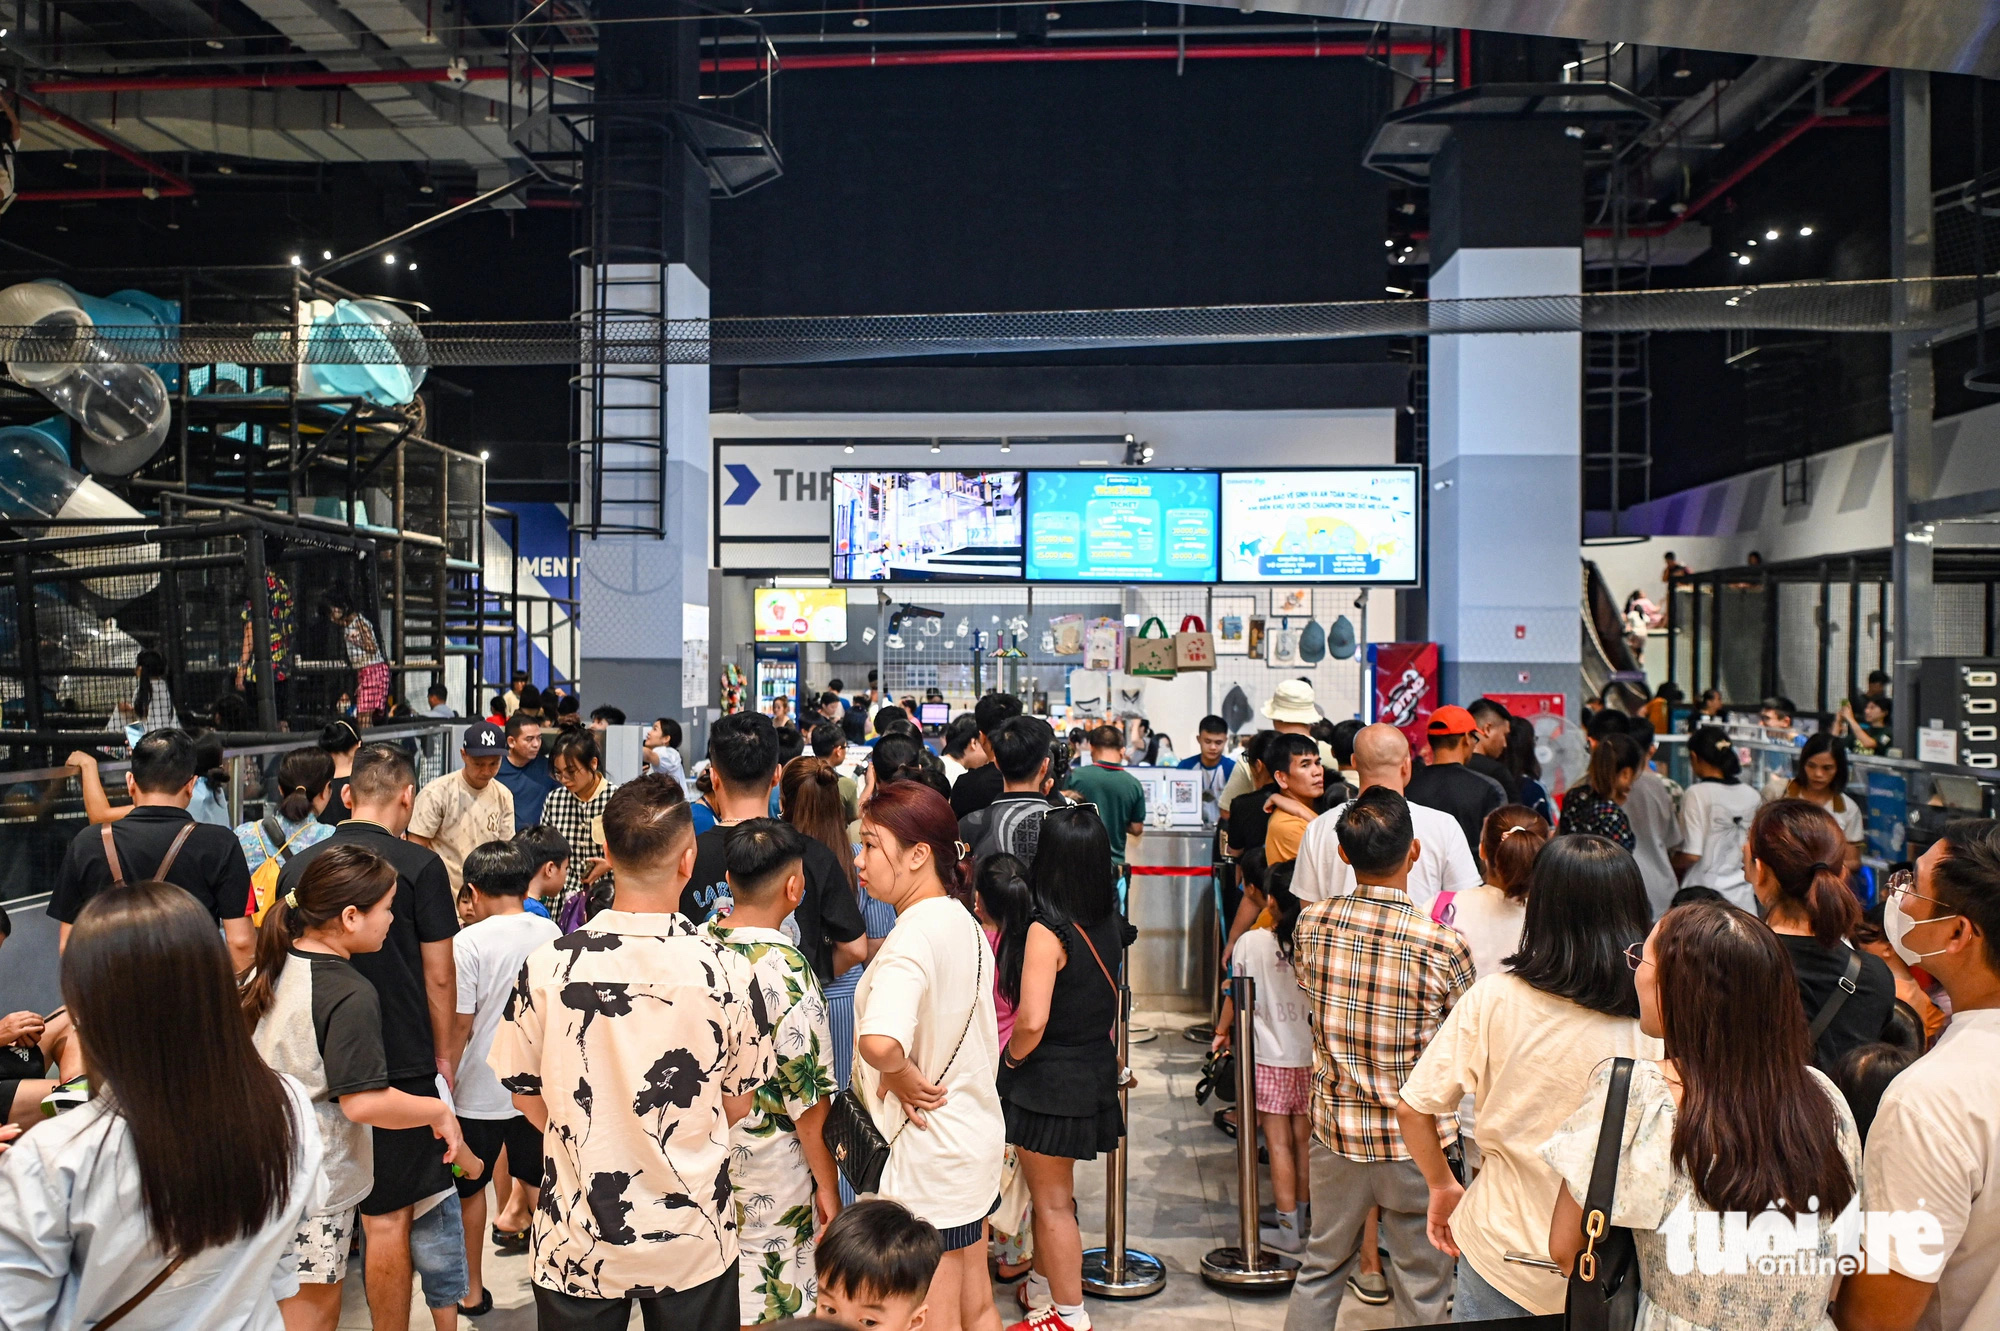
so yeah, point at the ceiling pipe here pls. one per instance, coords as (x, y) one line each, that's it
(736, 64)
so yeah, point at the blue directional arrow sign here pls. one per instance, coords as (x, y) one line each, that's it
(747, 483)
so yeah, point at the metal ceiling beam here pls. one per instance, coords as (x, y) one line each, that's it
(1949, 36)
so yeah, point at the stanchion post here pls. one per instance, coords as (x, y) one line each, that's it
(1247, 1265)
(1115, 1271)
(1203, 1032)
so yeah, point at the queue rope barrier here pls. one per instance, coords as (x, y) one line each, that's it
(1115, 1271)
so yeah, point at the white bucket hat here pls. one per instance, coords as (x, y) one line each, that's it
(1293, 701)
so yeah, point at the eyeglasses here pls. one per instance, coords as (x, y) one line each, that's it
(1902, 885)
(1635, 955)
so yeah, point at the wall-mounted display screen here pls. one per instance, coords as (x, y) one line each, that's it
(1349, 525)
(801, 614)
(927, 526)
(1122, 526)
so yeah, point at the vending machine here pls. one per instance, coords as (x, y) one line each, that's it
(777, 674)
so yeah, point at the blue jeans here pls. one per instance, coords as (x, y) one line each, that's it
(437, 1250)
(1473, 1300)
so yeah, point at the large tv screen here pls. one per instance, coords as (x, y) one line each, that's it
(1357, 525)
(927, 526)
(1121, 526)
(801, 614)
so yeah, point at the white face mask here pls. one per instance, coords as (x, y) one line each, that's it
(1896, 926)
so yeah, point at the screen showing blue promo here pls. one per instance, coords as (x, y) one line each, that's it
(1348, 525)
(926, 526)
(1122, 526)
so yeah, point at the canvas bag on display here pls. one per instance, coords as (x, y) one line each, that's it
(1194, 649)
(1152, 657)
(1101, 642)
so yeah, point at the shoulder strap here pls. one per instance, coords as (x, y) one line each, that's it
(111, 855)
(173, 852)
(1838, 1000)
(978, 983)
(118, 1314)
(1095, 955)
(1610, 1138)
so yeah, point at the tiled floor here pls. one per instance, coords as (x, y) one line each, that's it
(1182, 1203)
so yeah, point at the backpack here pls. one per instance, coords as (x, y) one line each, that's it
(264, 882)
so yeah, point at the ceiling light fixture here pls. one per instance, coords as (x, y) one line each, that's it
(1750, 242)
(224, 169)
(937, 448)
(1772, 234)
(326, 254)
(389, 259)
(485, 454)
(426, 188)
(848, 449)
(1805, 231)
(295, 261)
(1006, 448)
(1743, 259)
(413, 268)
(1399, 291)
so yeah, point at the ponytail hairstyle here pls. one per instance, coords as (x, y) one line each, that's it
(1285, 907)
(1801, 844)
(340, 736)
(916, 815)
(1713, 746)
(1508, 843)
(896, 757)
(1252, 865)
(302, 775)
(809, 799)
(208, 763)
(1613, 753)
(1002, 888)
(336, 878)
(152, 666)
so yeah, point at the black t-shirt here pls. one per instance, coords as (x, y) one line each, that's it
(977, 789)
(1248, 819)
(425, 911)
(210, 866)
(1496, 769)
(336, 803)
(347, 1025)
(1455, 789)
(828, 913)
(1861, 1018)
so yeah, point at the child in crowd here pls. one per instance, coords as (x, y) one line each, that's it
(780, 1171)
(874, 1267)
(1284, 1056)
(488, 954)
(316, 1018)
(548, 861)
(1001, 901)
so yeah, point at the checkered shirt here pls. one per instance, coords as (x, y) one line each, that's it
(1381, 977)
(575, 819)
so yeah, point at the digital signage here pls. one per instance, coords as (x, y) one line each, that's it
(1122, 526)
(1354, 525)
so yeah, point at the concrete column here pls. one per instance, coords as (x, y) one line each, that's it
(1506, 417)
(1912, 392)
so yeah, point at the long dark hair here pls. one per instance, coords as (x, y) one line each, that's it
(152, 666)
(1509, 840)
(1586, 905)
(338, 877)
(914, 814)
(1754, 1128)
(809, 798)
(1801, 844)
(1072, 878)
(1520, 755)
(144, 968)
(302, 775)
(1285, 907)
(1001, 885)
(208, 763)
(1823, 741)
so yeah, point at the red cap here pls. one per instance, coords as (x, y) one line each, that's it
(1450, 720)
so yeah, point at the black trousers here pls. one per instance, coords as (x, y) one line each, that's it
(713, 1306)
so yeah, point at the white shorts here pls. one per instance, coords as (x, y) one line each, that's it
(321, 1245)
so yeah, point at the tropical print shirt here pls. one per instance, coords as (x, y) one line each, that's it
(632, 1029)
(284, 622)
(767, 1169)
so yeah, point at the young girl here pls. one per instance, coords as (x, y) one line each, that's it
(318, 1020)
(1002, 902)
(1490, 917)
(1284, 1055)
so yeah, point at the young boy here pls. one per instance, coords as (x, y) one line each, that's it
(779, 1168)
(488, 954)
(1380, 976)
(875, 1262)
(548, 866)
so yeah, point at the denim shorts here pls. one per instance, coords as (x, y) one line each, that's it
(437, 1250)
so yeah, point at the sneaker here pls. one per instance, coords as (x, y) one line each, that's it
(1048, 1319)
(1034, 1294)
(1371, 1287)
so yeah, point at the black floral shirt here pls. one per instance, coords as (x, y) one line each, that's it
(1584, 810)
(632, 1029)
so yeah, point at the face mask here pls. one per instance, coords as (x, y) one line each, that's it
(1896, 926)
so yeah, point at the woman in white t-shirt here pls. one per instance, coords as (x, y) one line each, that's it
(1281, 1020)
(1716, 812)
(1819, 774)
(927, 1042)
(1524, 1044)
(1490, 917)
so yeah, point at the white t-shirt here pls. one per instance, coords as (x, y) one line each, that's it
(1444, 861)
(1715, 819)
(914, 991)
(1527, 1059)
(1851, 817)
(489, 954)
(1935, 1146)
(456, 819)
(1279, 1011)
(1491, 926)
(1656, 834)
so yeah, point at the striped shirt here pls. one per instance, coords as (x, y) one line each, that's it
(1380, 976)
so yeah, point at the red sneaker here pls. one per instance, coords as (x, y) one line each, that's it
(1048, 1319)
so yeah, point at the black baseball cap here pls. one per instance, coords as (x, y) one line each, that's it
(483, 739)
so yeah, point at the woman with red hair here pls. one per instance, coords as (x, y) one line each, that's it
(927, 1042)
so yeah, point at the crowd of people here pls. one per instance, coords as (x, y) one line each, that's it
(787, 1040)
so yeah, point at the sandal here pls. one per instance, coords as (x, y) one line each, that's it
(510, 1242)
(479, 1309)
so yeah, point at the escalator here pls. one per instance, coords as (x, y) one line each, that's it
(1609, 670)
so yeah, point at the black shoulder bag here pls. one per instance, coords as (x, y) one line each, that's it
(857, 1145)
(1604, 1289)
(1836, 1000)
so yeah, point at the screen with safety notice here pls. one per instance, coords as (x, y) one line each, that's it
(1122, 526)
(1354, 525)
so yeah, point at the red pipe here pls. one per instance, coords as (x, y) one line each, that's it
(1463, 69)
(736, 64)
(172, 186)
(93, 195)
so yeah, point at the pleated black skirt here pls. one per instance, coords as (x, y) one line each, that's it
(1060, 1135)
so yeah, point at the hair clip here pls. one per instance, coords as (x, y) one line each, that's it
(1517, 827)
(292, 898)
(964, 851)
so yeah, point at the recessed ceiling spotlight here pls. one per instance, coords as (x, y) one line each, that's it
(213, 43)
(413, 268)
(1805, 231)
(1390, 243)
(295, 261)
(1750, 242)
(426, 188)
(224, 169)
(1006, 448)
(1743, 259)
(389, 259)
(860, 20)
(937, 448)
(485, 454)
(848, 448)
(1772, 234)
(326, 254)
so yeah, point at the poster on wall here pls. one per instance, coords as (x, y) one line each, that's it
(1121, 526)
(1351, 525)
(801, 614)
(1232, 624)
(1406, 687)
(1292, 601)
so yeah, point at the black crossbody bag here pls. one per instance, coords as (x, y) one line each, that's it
(857, 1145)
(1604, 1290)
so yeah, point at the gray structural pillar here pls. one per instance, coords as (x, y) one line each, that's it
(1912, 392)
(1506, 417)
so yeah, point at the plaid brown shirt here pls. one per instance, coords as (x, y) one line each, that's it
(1381, 977)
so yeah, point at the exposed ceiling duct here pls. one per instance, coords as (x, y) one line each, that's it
(1950, 36)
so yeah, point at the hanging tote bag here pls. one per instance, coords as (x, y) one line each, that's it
(1150, 656)
(1604, 1289)
(1194, 648)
